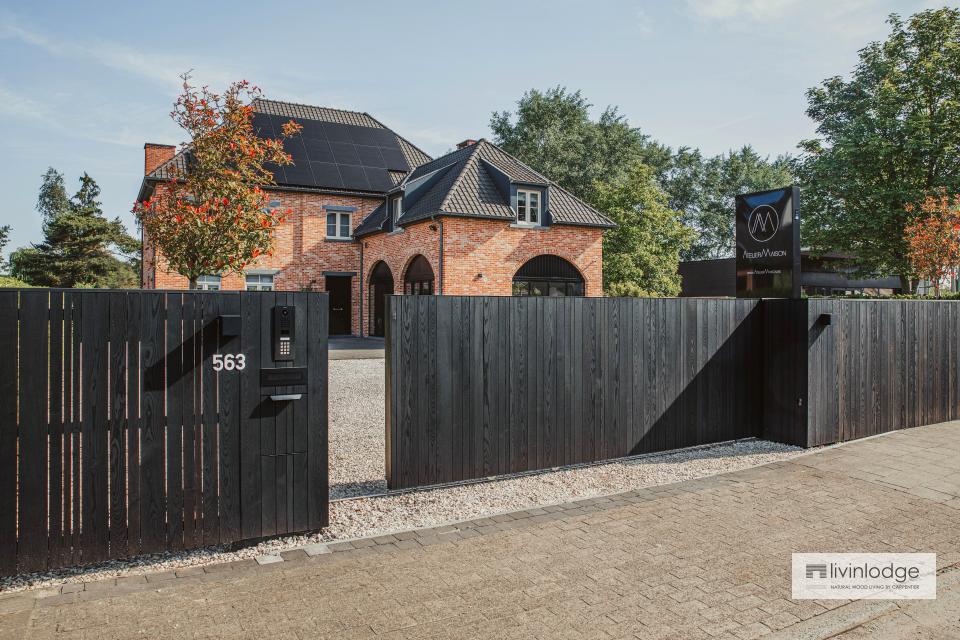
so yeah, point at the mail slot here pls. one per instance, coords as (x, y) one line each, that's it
(285, 377)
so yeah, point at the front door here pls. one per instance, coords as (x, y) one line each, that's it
(338, 287)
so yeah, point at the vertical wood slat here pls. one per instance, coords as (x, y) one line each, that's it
(55, 430)
(134, 390)
(32, 504)
(189, 417)
(118, 424)
(210, 328)
(9, 323)
(94, 427)
(179, 412)
(250, 401)
(229, 424)
(153, 533)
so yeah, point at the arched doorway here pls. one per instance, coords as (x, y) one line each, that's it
(381, 285)
(419, 277)
(547, 275)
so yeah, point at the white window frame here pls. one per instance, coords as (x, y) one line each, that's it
(209, 283)
(338, 215)
(525, 217)
(396, 211)
(259, 284)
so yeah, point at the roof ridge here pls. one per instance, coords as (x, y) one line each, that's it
(515, 158)
(456, 182)
(317, 106)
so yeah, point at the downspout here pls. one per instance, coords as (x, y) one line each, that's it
(361, 287)
(440, 223)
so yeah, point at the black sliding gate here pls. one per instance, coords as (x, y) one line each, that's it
(136, 422)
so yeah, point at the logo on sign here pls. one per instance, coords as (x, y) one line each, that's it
(763, 223)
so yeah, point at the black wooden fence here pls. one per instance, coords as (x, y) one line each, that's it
(118, 436)
(485, 386)
(863, 367)
(478, 387)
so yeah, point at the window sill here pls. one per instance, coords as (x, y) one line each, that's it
(329, 239)
(519, 225)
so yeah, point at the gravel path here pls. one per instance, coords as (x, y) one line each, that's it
(356, 469)
(356, 428)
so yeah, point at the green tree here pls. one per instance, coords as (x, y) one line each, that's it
(4, 239)
(552, 132)
(641, 255)
(80, 246)
(703, 190)
(888, 136)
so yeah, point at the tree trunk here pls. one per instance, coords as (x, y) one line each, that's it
(907, 285)
(193, 283)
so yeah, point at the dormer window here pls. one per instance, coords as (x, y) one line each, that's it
(528, 207)
(396, 208)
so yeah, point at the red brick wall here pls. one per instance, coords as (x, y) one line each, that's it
(301, 251)
(398, 250)
(497, 250)
(474, 246)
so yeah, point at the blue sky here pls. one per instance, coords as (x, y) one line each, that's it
(84, 85)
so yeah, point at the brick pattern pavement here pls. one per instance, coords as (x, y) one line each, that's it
(707, 558)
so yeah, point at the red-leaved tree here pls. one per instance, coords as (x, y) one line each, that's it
(211, 214)
(933, 238)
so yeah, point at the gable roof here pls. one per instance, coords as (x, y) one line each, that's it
(413, 155)
(474, 182)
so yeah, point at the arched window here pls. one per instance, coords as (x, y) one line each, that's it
(381, 285)
(419, 277)
(547, 275)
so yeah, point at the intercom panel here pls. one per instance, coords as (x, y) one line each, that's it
(284, 330)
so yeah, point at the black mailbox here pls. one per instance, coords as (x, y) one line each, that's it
(284, 330)
(285, 377)
(230, 326)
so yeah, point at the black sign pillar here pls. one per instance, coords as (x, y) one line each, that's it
(768, 244)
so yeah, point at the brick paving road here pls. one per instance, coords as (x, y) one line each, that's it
(706, 558)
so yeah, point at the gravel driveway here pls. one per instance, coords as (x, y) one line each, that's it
(356, 428)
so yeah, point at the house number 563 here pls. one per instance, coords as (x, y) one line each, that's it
(229, 362)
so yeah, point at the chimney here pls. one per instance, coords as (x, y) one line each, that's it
(466, 143)
(155, 155)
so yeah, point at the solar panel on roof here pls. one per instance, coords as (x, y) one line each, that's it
(318, 150)
(278, 175)
(311, 129)
(326, 174)
(364, 135)
(379, 179)
(334, 155)
(354, 177)
(299, 174)
(370, 157)
(337, 132)
(394, 159)
(384, 138)
(345, 153)
(294, 146)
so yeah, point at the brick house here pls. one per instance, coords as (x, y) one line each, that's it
(375, 215)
